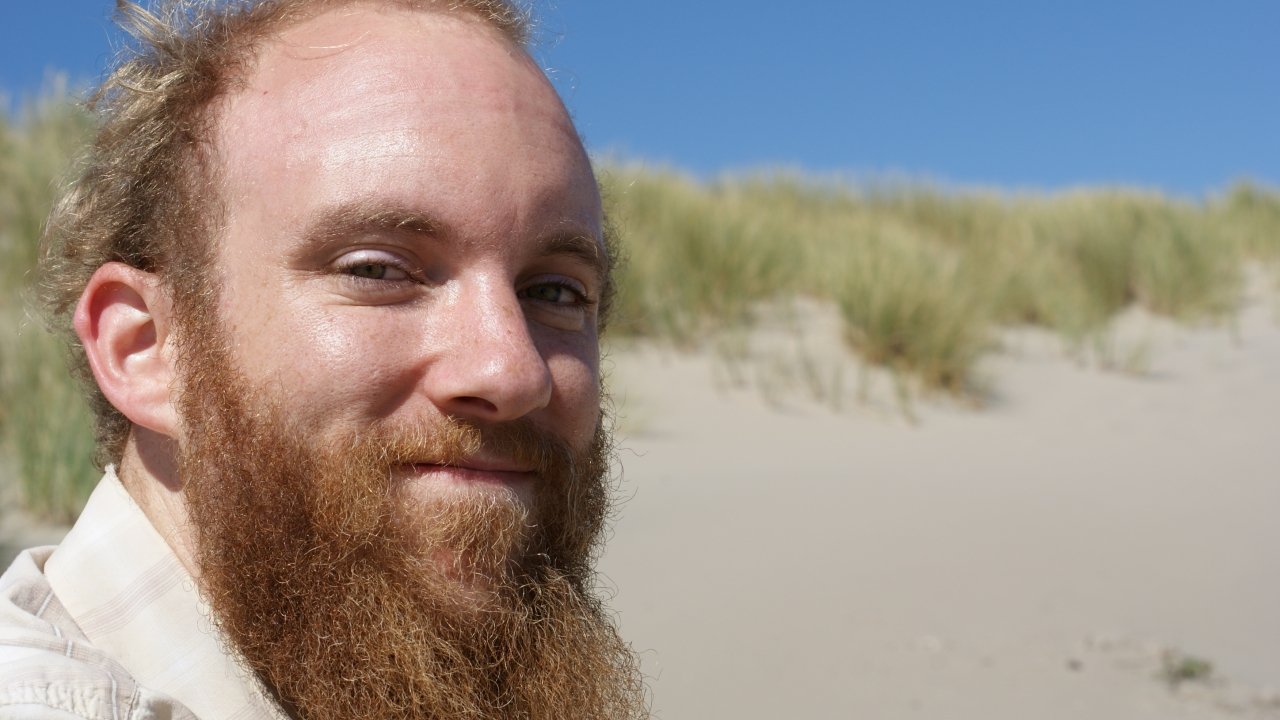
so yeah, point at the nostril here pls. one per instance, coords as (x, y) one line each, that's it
(476, 404)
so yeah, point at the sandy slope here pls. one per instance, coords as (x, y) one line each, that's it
(1034, 559)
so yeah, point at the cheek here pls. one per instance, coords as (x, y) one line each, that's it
(575, 400)
(337, 363)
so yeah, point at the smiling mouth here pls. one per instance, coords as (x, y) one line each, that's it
(471, 474)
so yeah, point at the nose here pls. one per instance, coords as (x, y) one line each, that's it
(487, 366)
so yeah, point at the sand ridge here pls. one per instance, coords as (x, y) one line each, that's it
(1046, 556)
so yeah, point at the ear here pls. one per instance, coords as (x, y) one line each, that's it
(123, 321)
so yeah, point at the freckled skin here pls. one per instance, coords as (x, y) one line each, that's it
(441, 115)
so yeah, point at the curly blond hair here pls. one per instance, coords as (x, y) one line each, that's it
(144, 192)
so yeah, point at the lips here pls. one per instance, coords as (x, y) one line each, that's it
(482, 465)
(474, 472)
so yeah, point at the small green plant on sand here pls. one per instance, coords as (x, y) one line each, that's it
(1177, 668)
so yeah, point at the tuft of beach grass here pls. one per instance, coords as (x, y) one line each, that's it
(923, 275)
(45, 428)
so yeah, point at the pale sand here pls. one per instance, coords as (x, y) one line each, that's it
(1032, 559)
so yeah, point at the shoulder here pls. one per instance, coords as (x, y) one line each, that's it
(48, 669)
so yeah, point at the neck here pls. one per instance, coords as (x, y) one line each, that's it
(149, 472)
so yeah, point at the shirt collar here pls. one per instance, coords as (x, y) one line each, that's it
(132, 598)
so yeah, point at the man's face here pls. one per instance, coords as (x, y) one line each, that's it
(392, 456)
(413, 232)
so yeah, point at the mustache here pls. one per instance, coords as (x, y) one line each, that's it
(452, 441)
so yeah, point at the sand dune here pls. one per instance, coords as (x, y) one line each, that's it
(1039, 558)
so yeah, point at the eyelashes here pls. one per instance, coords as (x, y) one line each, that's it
(557, 292)
(381, 277)
(377, 271)
(557, 303)
(375, 267)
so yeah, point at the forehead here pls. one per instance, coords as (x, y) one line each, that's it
(406, 108)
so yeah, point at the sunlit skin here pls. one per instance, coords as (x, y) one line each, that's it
(412, 231)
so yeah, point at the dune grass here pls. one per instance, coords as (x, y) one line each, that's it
(44, 423)
(922, 277)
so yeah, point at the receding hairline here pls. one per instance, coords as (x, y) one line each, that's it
(296, 12)
(275, 36)
(448, 13)
(268, 46)
(220, 138)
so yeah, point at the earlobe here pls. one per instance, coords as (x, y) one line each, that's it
(123, 322)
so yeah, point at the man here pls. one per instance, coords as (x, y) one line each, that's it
(335, 270)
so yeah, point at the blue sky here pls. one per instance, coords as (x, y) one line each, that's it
(1174, 94)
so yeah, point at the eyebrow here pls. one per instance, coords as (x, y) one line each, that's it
(584, 248)
(347, 220)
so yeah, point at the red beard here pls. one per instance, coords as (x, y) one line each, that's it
(350, 599)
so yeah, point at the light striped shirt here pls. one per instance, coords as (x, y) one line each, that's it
(109, 626)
